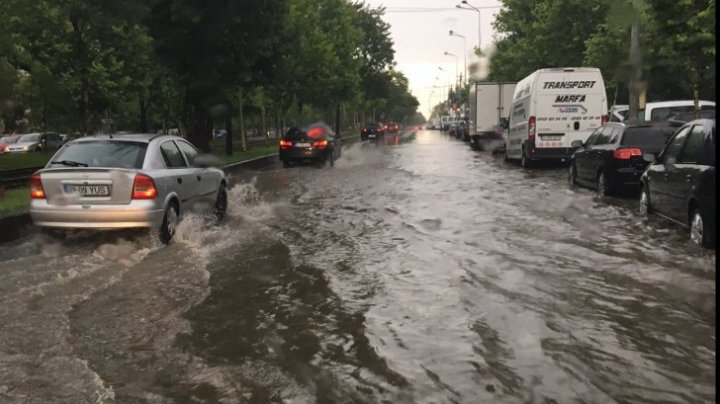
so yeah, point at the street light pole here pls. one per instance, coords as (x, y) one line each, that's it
(456, 63)
(479, 11)
(465, 72)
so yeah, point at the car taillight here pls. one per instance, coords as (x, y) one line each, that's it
(144, 187)
(604, 120)
(365, 130)
(284, 144)
(625, 154)
(36, 188)
(531, 129)
(320, 144)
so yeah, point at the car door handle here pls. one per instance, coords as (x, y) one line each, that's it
(179, 180)
(199, 178)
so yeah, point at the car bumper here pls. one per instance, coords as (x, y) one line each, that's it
(133, 215)
(627, 177)
(372, 136)
(302, 154)
(548, 153)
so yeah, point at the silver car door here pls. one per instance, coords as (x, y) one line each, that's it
(183, 175)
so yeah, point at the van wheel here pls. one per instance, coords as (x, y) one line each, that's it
(698, 233)
(525, 162)
(169, 224)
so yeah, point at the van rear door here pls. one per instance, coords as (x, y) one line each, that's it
(569, 106)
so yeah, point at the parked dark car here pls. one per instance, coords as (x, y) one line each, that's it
(679, 184)
(315, 143)
(372, 131)
(611, 160)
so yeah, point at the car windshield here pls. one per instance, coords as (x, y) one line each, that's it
(9, 139)
(29, 138)
(114, 154)
(647, 136)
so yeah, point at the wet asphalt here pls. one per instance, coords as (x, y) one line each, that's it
(417, 272)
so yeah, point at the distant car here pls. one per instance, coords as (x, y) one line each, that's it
(391, 127)
(611, 159)
(679, 184)
(36, 142)
(126, 181)
(315, 143)
(683, 110)
(372, 131)
(7, 141)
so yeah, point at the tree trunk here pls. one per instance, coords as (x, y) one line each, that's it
(242, 119)
(228, 135)
(337, 119)
(84, 69)
(143, 112)
(199, 136)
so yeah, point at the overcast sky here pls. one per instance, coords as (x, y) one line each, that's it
(420, 32)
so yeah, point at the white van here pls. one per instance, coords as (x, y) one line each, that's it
(551, 109)
(681, 110)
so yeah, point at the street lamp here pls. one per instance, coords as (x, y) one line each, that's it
(452, 33)
(456, 62)
(470, 7)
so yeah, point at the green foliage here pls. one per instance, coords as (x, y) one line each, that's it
(677, 42)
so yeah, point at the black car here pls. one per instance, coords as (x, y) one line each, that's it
(611, 160)
(315, 143)
(679, 184)
(373, 131)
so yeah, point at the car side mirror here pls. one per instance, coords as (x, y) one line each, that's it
(207, 160)
(576, 144)
(649, 157)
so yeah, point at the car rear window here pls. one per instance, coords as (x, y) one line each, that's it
(647, 136)
(102, 154)
(295, 134)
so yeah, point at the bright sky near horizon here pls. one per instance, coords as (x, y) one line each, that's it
(420, 30)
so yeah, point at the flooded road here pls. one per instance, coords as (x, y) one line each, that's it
(421, 272)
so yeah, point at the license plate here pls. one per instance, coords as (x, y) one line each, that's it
(302, 144)
(88, 190)
(371, 135)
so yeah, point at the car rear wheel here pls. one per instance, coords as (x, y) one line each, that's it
(169, 224)
(698, 233)
(644, 207)
(286, 163)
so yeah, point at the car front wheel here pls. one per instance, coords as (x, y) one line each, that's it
(644, 207)
(698, 233)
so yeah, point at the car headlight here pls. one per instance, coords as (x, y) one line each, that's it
(25, 147)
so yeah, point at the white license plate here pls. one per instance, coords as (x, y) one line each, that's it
(302, 144)
(371, 135)
(88, 190)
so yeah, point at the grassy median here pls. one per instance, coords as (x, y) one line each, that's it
(15, 200)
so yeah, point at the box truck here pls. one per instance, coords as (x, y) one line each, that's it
(489, 102)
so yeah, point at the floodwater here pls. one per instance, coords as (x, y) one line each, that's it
(421, 272)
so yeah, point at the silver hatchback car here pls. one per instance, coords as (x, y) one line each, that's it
(126, 181)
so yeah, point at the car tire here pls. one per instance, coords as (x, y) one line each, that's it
(169, 223)
(601, 185)
(220, 204)
(698, 229)
(572, 176)
(53, 233)
(644, 205)
(286, 163)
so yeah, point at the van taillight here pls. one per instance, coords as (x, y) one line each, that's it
(144, 187)
(625, 154)
(531, 129)
(604, 120)
(36, 188)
